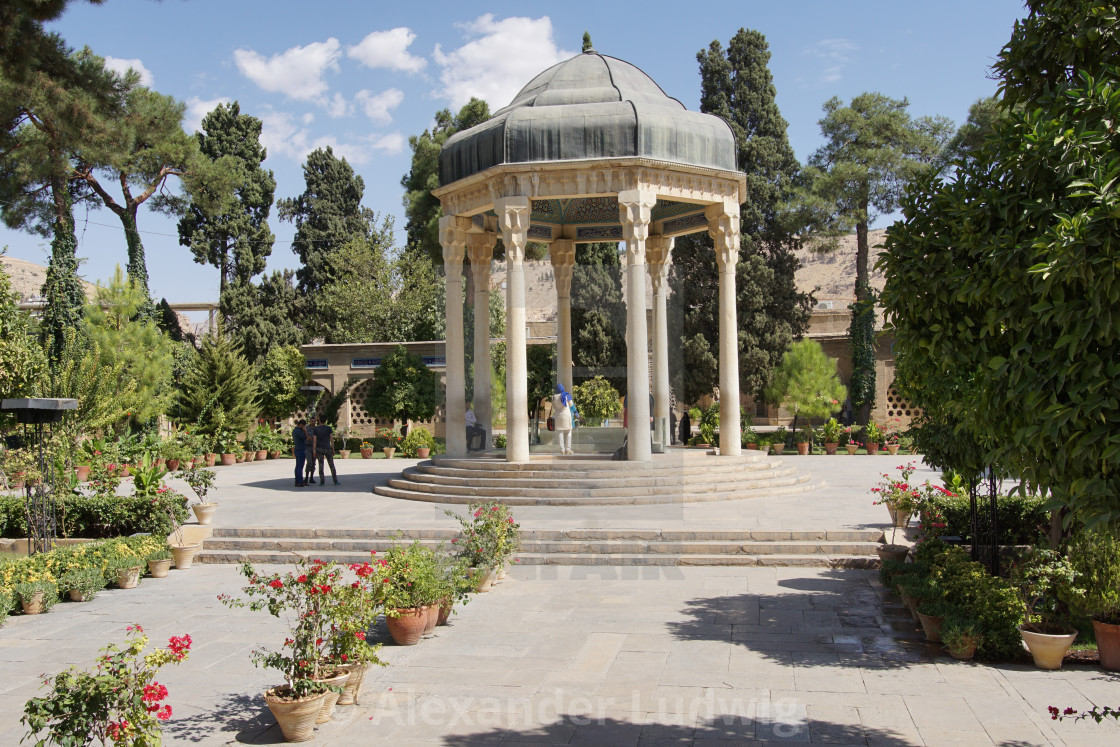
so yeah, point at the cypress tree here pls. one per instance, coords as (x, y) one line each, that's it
(736, 85)
(218, 389)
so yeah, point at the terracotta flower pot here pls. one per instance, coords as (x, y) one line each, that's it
(752, 446)
(830, 447)
(77, 596)
(330, 697)
(445, 611)
(353, 687)
(128, 578)
(803, 449)
(159, 568)
(931, 624)
(34, 605)
(407, 627)
(184, 554)
(344, 453)
(892, 449)
(777, 448)
(482, 577)
(852, 448)
(431, 616)
(211, 459)
(1108, 644)
(262, 454)
(296, 717)
(172, 465)
(892, 552)
(249, 456)
(422, 452)
(899, 518)
(367, 453)
(872, 448)
(82, 471)
(965, 649)
(1047, 649)
(389, 451)
(204, 512)
(228, 459)
(274, 454)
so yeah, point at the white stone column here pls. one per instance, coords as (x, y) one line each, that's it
(480, 250)
(634, 208)
(659, 252)
(562, 253)
(453, 238)
(723, 227)
(513, 215)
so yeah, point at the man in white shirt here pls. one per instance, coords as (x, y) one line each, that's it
(474, 431)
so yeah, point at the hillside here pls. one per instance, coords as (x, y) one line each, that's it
(27, 277)
(833, 276)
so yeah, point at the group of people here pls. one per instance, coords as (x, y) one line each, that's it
(313, 438)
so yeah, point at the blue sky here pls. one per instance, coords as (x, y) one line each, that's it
(363, 76)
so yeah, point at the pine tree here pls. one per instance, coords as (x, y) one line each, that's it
(263, 315)
(218, 390)
(327, 215)
(736, 85)
(226, 223)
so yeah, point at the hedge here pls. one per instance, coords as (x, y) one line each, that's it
(1022, 520)
(95, 517)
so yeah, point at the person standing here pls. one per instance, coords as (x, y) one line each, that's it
(300, 449)
(562, 418)
(324, 449)
(474, 430)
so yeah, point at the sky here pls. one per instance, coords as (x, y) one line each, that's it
(364, 76)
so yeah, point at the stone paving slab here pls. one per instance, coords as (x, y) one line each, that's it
(686, 657)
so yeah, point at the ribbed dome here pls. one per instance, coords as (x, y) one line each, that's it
(591, 106)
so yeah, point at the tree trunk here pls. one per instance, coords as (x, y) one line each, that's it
(137, 266)
(863, 280)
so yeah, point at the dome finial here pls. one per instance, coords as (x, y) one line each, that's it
(587, 42)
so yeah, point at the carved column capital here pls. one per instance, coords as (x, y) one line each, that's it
(513, 217)
(634, 208)
(453, 238)
(480, 251)
(562, 254)
(659, 255)
(723, 227)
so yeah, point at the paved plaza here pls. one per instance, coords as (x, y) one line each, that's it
(585, 655)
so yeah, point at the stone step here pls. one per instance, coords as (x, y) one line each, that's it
(597, 466)
(606, 559)
(409, 480)
(621, 480)
(405, 490)
(563, 547)
(743, 535)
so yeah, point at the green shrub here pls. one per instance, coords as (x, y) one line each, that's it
(7, 600)
(96, 517)
(87, 581)
(1096, 563)
(418, 437)
(1022, 519)
(27, 589)
(596, 400)
(51, 565)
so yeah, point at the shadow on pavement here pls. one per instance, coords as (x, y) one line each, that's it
(244, 718)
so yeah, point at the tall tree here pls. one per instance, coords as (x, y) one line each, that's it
(1005, 277)
(327, 215)
(598, 314)
(226, 222)
(146, 148)
(873, 149)
(263, 315)
(420, 208)
(219, 388)
(21, 360)
(736, 85)
(54, 107)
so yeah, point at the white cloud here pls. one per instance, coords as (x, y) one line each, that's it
(197, 109)
(282, 135)
(338, 106)
(378, 106)
(119, 66)
(388, 49)
(297, 72)
(835, 55)
(500, 58)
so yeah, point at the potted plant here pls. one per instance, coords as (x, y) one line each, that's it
(225, 441)
(358, 606)
(82, 583)
(1038, 577)
(900, 497)
(961, 636)
(778, 439)
(36, 596)
(366, 449)
(418, 443)
(410, 581)
(124, 571)
(831, 432)
(804, 437)
(749, 439)
(201, 482)
(159, 562)
(118, 702)
(873, 435)
(341, 437)
(597, 401)
(709, 421)
(891, 437)
(850, 438)
(387, 439)
(1096, 592)
(303, 598)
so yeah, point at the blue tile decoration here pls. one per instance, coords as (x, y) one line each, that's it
(431, 360)
(685, 223)
(317, 363)
(542, 233)
(668, 208)
(365, 363)
(591, 210)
